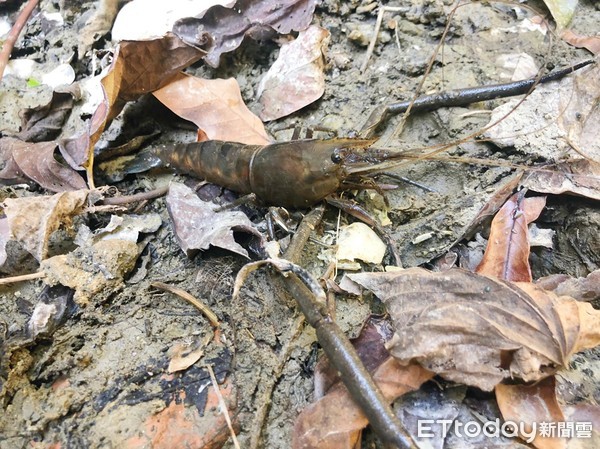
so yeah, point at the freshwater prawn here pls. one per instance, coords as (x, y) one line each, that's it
(301, 173)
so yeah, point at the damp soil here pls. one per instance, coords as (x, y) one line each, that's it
(95, 380)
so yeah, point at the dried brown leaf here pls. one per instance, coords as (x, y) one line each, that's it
(582, 289)
(182, 356)
(139, 67)
(33, 220)
(577, 177)
(215, 106)
(36, 161)
(478, 330)
(507, 253)
(296, 78)
(45, 122)
(591, 43)
(531, 405)
(335, 421)
(197, 225)
(258, 19)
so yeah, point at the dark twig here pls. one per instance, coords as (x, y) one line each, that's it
(14, 33)
(462, 97)
(338, 348)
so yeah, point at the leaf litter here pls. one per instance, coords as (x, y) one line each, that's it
(100, 256)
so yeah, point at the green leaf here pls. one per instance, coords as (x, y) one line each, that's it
(31, 82)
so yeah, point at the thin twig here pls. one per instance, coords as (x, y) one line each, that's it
(223, 406)
(23, 277)
(142, 196)
(382, 11)
(212, 317)
(14, 33)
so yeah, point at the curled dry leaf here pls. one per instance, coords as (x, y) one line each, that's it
(138, 68)
(359, 241)
(258, 19)
(477, 330)
(33, 220)
(36, 161)
(296, 78)
(215, 106)
(507, 253)
(197, 225)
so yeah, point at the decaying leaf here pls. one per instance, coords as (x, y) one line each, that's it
(577, 177)
(138, 68)
(120, 227)
(562, 10)
(583, 289)
(197, 225)
(215, 106)
(507, 253)
(556, 118)
(45, 122)
(183, 356)
(4, 238)
(33, 220)
(37, 162)
(532, 405)
(296, 78)
(477, 330)
(258, 19)
(591, 43)
(335, 420)
(95, 24)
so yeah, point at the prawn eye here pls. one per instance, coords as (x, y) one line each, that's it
(336, 157)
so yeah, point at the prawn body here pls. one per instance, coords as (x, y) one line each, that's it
(294, 174)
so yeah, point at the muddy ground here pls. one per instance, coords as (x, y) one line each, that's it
(98, 378)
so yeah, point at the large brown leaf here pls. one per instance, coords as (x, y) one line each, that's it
(478, 330)
(507, 253)
(138, 68)
(215, 106)
(227, 27)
